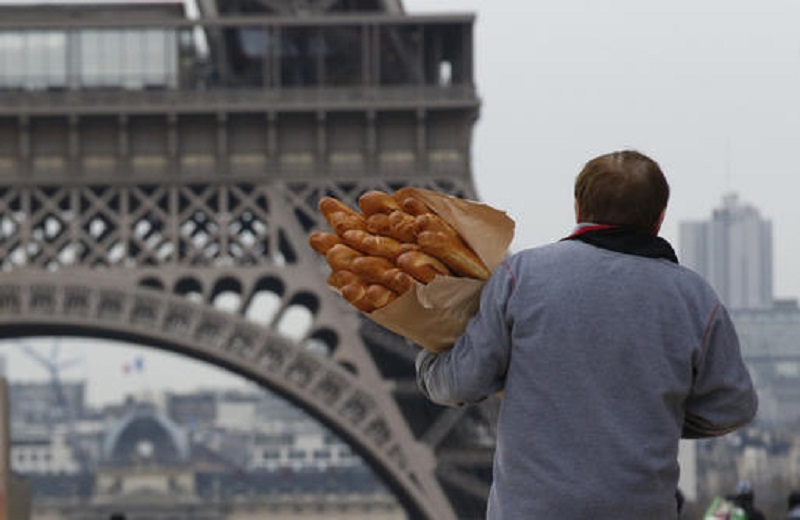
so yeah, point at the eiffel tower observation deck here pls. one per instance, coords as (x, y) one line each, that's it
(156, 159)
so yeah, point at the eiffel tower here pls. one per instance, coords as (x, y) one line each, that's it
(155, 161)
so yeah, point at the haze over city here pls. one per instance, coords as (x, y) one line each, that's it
(707, 89)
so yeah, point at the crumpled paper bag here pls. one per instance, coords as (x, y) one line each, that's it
(434, 315)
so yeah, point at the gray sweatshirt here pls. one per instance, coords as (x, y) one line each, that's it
(605, 360)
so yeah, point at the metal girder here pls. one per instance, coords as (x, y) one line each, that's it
(295, 7)
(298, 7)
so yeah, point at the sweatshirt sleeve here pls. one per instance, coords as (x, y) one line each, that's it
(723, 398)
(475, 367)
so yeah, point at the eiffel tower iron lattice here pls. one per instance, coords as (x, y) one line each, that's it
(133, 198)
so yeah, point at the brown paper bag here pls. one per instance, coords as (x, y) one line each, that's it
(434, 315)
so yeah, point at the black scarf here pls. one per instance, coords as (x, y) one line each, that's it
(623, 240)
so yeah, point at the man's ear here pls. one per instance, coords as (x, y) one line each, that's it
(578, 218)
(660, 221)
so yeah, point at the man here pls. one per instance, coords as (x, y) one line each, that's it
(745, 498)
(607, 353)
(793, 512)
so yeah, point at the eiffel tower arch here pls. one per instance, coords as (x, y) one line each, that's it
(154, 165)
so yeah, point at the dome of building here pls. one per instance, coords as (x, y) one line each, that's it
(145, 436)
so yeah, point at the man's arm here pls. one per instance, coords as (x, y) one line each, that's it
(723, 398)
(475, 366)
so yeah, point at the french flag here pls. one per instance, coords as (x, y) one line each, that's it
(136, 365)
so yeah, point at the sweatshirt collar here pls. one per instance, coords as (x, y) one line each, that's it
(622, 240)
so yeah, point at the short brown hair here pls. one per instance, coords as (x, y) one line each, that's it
(624, 188)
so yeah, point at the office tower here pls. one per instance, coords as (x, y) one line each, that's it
(733, 251)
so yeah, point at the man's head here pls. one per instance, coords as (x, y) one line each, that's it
(623, 188)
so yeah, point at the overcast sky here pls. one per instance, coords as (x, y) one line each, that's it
(708, 88)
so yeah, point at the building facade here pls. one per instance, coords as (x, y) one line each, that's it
(770, 345)
(733, 251)
(139, 458)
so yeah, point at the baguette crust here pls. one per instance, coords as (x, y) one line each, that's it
(341, 222)
(321, 242)
(410, 203)
(342, 277)
(421, 266)
(454, 253)
(395, 242)
(379, 225)
(356, 294)
(432, 222)
(374, 245)
(380, 296)
(375, 201)
(402, 226)
(397, 280)
(371, 269)
(398, 225)
(341, 256)
(329, 205)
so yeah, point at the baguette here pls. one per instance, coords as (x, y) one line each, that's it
(401, 225)
(342, 277)
(379, 296)
(415, 207)
(321, 242)
(341, 222)
(432, 222)
(371, 268)
(374, 245)
(410, 203)
(378, 270)
(330, 205)
(397, 280)
(454, 253)
(341, 256)
(398, 225)
(375, 201)
(378, 224)
(356, 294)
(421, 266)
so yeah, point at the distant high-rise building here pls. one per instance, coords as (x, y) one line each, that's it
(769, 344)
(733, 251)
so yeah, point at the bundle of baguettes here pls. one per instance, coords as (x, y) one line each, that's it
(377, 253)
